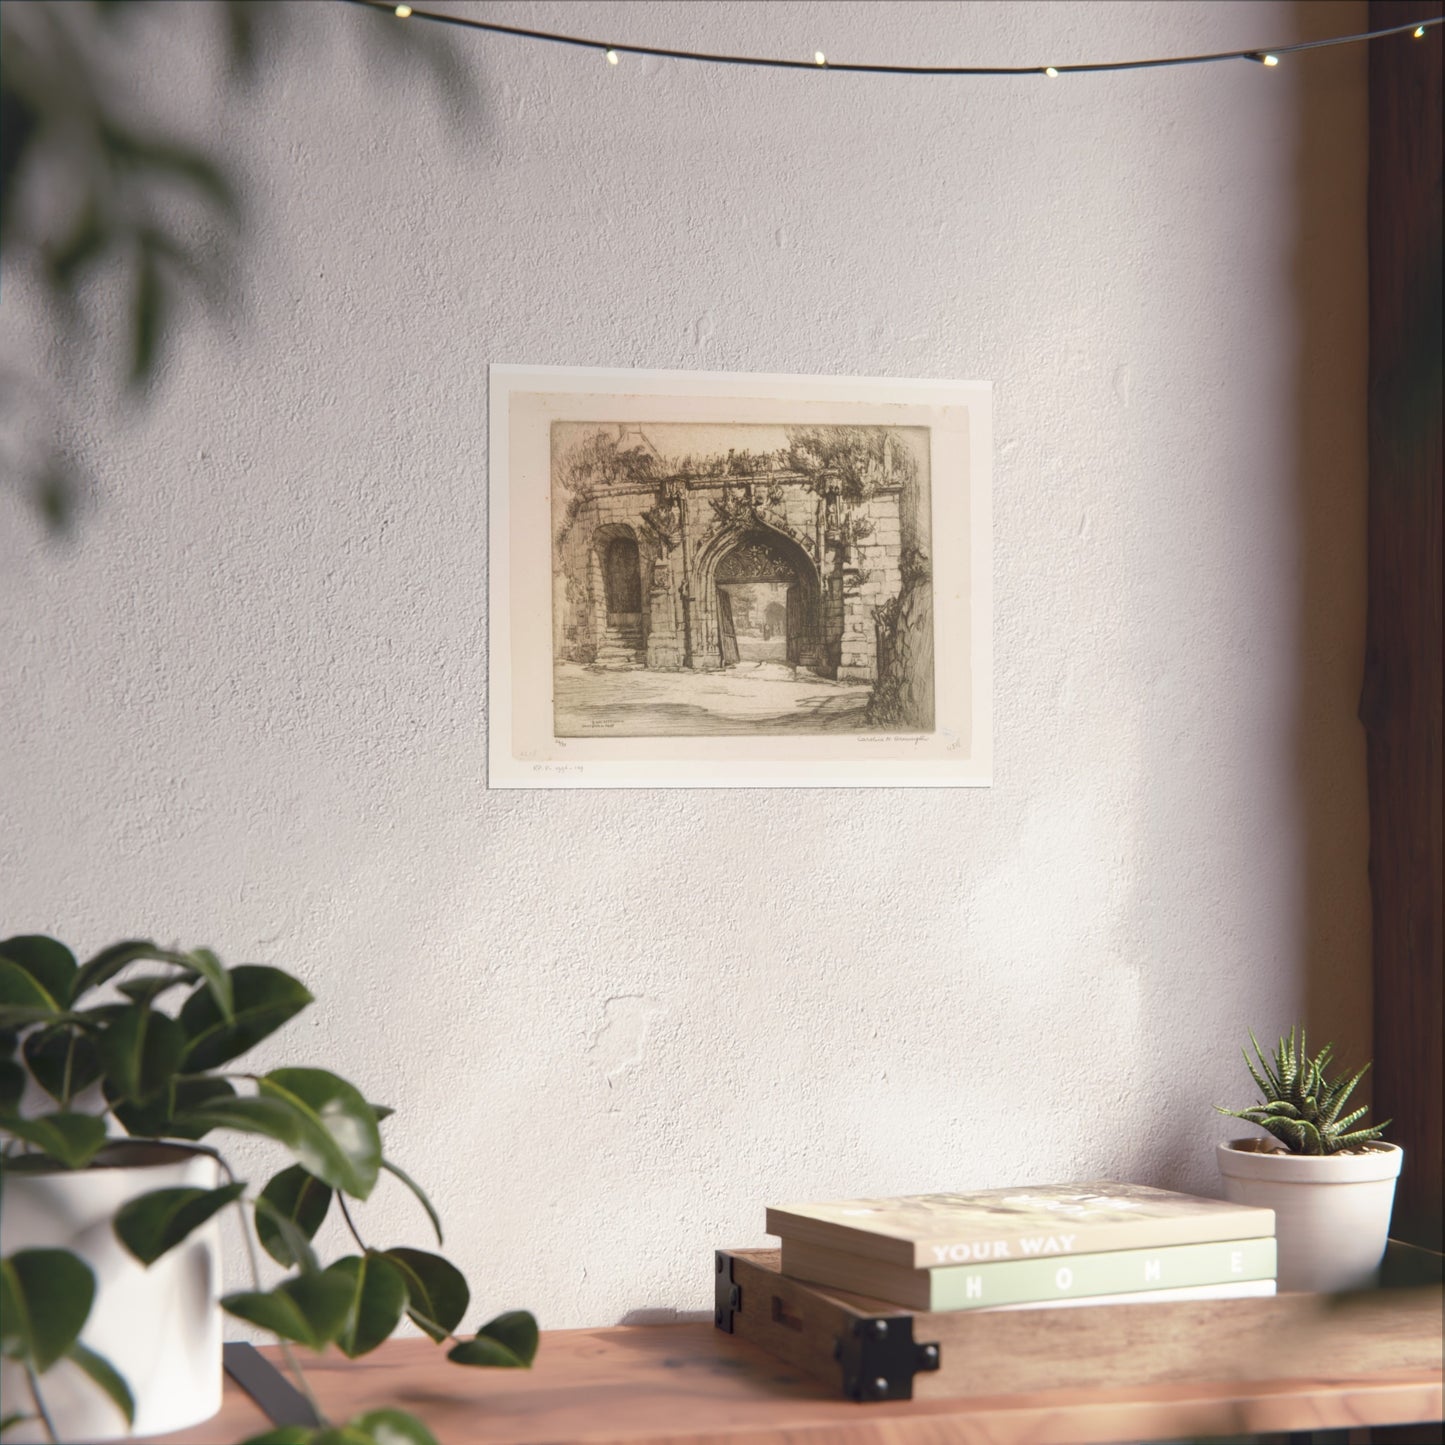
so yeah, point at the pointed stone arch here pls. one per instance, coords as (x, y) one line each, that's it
(755, 550)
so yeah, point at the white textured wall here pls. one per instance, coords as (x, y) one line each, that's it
(244, 707)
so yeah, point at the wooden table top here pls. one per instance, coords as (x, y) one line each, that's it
(692, 1384)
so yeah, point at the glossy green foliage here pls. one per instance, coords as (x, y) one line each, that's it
(153, 1034)
(153, 1224)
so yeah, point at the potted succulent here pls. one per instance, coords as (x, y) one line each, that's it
(1331, 1185)
(110, 1192)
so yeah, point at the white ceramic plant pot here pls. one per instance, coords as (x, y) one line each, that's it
(160, 1327)
(1331, 1211)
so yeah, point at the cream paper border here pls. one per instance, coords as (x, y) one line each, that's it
(522, 751)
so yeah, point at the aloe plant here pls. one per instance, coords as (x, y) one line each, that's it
(171, 1075)
(1302, 1108)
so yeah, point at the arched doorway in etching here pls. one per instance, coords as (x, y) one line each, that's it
(765, 600)
(621, 577)
(617, 594)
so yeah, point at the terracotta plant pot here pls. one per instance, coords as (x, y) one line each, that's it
(1331, 1211)
(160, 1327)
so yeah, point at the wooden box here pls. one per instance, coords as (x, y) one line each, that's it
(871, 1350)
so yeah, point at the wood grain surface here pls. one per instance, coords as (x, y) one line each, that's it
(1273, 1340)
(1401, 697)
(670, 1384)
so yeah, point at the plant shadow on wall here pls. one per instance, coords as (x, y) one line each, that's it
(92, 192)
(82, 1047)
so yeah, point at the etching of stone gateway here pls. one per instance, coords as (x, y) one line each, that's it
(805, 561)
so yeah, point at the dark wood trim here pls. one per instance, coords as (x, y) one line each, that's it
(1401, 698)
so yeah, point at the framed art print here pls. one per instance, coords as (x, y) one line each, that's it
(732, 580)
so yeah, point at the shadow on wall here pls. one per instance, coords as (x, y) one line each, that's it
(1326, 915)
(92, 188)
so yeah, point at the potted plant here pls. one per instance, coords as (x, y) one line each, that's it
(110, 1193)
(1331, 1185)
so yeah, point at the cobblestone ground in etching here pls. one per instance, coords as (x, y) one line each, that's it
(753, 698)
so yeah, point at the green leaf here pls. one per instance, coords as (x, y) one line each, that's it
(437, 1294)
(142, 1121)
(45, 1299)
(298, 1197)
(1361, 1136)
(104, 1374)
(73, 1139)
(295, 1243)
(264, 998)
(148, 989)
(163, 1116)
(378, 1296)
(341, 1435)
(23, 999)
(96, 1019)
(416, 1189)
(310, 1310)
(382, 1111)
(63, 1060)
(12, 1086)
(210, 968)
(187, 1094)
(269, 1117)
(151, 1224)
(11, 1421)
(507, 1342)
(141, 1051)
(392, 1427)
(340, 1143)
(50, 964)
(109, 962)
(14, 1323)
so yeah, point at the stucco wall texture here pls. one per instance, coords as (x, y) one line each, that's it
(244, 705)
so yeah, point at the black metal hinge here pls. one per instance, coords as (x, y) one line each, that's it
(880, 1358)
(727, 1296)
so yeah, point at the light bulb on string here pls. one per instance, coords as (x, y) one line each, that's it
(1260, 57)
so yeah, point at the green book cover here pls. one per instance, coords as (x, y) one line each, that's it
(1030, 1281)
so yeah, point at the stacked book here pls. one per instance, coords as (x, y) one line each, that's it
(1031, 1247)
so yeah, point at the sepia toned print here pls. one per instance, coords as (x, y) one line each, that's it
(731, 579)
(740, 579)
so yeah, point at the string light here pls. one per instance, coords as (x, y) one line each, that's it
(1257, 54)
(612, 57)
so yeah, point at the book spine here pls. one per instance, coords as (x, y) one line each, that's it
(1030, 1281)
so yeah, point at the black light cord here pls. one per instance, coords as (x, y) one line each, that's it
(613, 49)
